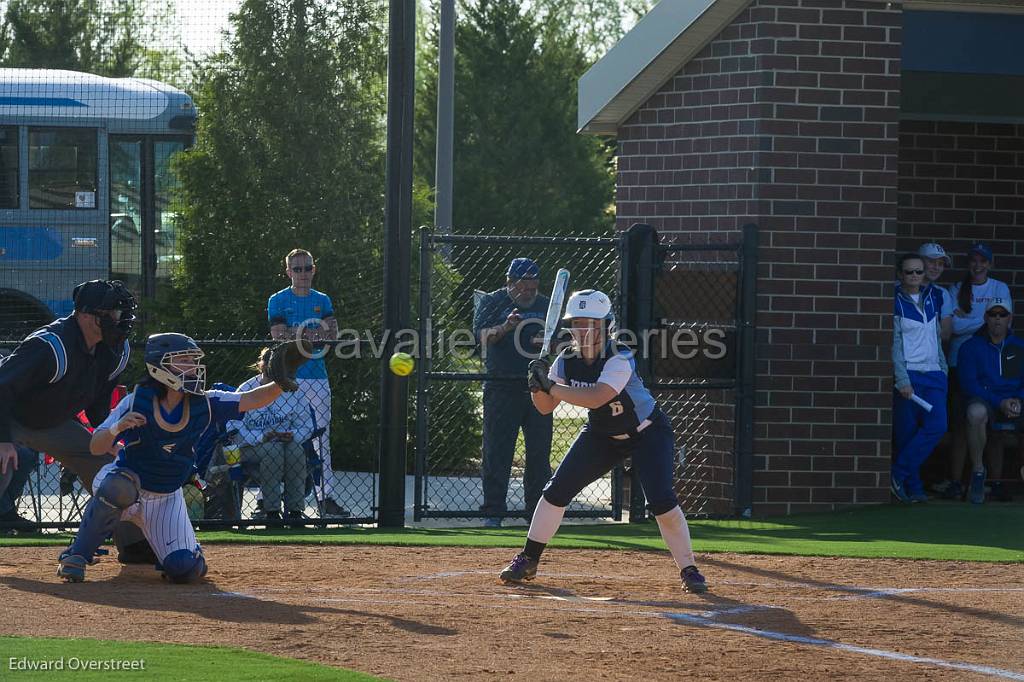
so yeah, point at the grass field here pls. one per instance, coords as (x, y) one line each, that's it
(940, 531)
(161, 661)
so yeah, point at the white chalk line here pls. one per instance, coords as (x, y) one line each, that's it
(832, 644)
(606, 608)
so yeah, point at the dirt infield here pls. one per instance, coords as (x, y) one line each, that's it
(440, 613)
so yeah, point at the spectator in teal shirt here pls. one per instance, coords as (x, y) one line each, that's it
(301, 310)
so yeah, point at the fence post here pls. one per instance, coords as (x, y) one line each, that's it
(746, 372)
(423, 368)
(397, 245)
(639, 266)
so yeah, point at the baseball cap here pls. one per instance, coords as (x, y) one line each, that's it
(934, 251)
(523, 268)
(982, 249)
(1004, 303)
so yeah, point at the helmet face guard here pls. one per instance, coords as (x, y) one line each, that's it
(190, 378)
(100, 298)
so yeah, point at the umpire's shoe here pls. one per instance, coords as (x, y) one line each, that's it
(693, 581)
(138, 553)
(71, 567)
(521, 568)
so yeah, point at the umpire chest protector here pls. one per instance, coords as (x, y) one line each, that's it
(162, 454)
(621, 414)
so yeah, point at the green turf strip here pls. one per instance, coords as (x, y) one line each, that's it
(945, 531)
(160, 661)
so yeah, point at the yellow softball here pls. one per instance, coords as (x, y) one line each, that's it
(401, 364)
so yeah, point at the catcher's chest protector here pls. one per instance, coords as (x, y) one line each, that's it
(161, 453)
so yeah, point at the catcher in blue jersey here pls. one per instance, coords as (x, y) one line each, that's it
(623, 420)
(160, 423)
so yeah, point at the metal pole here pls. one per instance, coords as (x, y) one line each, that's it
(397, 245)
(443, 172)
(747, 332)
(422, 372)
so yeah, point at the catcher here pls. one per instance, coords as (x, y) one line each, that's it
(160, 422)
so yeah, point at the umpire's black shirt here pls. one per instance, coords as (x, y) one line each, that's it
(51, 376)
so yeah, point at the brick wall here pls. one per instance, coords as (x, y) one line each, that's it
(963, 182)
(789, 119)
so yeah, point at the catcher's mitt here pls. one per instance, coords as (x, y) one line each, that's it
(285, 360)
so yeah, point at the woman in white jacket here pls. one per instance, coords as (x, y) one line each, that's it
(272, 436)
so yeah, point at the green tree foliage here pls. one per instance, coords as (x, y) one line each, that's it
(104, 37)
(518, 160)
(289, 153)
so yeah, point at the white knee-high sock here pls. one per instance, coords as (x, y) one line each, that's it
(546, 520)
(676, 534)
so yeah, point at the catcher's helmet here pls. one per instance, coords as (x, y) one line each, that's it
(173, 360)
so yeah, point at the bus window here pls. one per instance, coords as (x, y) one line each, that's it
(8, 167)
(126, 211)
(62, 168)
(165, 183)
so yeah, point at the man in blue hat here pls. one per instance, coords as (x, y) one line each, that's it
(509, 325)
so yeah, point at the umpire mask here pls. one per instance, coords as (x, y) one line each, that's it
(112, 303)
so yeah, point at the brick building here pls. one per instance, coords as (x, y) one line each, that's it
(847, 130)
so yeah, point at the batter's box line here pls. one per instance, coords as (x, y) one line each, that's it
(889, 591)
(851, 648)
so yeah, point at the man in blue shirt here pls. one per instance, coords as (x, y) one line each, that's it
(301, 310)
(509, 325)
(991, 371)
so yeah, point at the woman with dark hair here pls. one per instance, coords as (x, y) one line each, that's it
(971, 295)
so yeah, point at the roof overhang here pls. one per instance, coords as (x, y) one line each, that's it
(671, 34)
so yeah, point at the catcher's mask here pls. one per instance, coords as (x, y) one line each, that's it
(173, 360)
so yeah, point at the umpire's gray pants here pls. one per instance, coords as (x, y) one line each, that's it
(68, 443)
(279, 462)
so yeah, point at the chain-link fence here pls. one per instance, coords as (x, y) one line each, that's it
(694, 367)
(482, 450)
(308, 458)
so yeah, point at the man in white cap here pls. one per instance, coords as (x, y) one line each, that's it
(991, 377)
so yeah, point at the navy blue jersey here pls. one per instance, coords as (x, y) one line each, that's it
(616, 368)
(162, 452)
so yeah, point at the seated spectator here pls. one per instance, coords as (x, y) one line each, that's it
(920, 371)
(970, 296)
(272, 438)
(12, 486)
(993, 386)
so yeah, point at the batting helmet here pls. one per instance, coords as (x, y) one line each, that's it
(589, 303)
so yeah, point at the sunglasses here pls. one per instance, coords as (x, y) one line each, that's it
(913, 272)
(302, 268)
(997, 315)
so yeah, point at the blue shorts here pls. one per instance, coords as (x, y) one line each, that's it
(592, 455)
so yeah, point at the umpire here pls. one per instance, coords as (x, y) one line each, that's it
(509, 325)
(70, 365)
